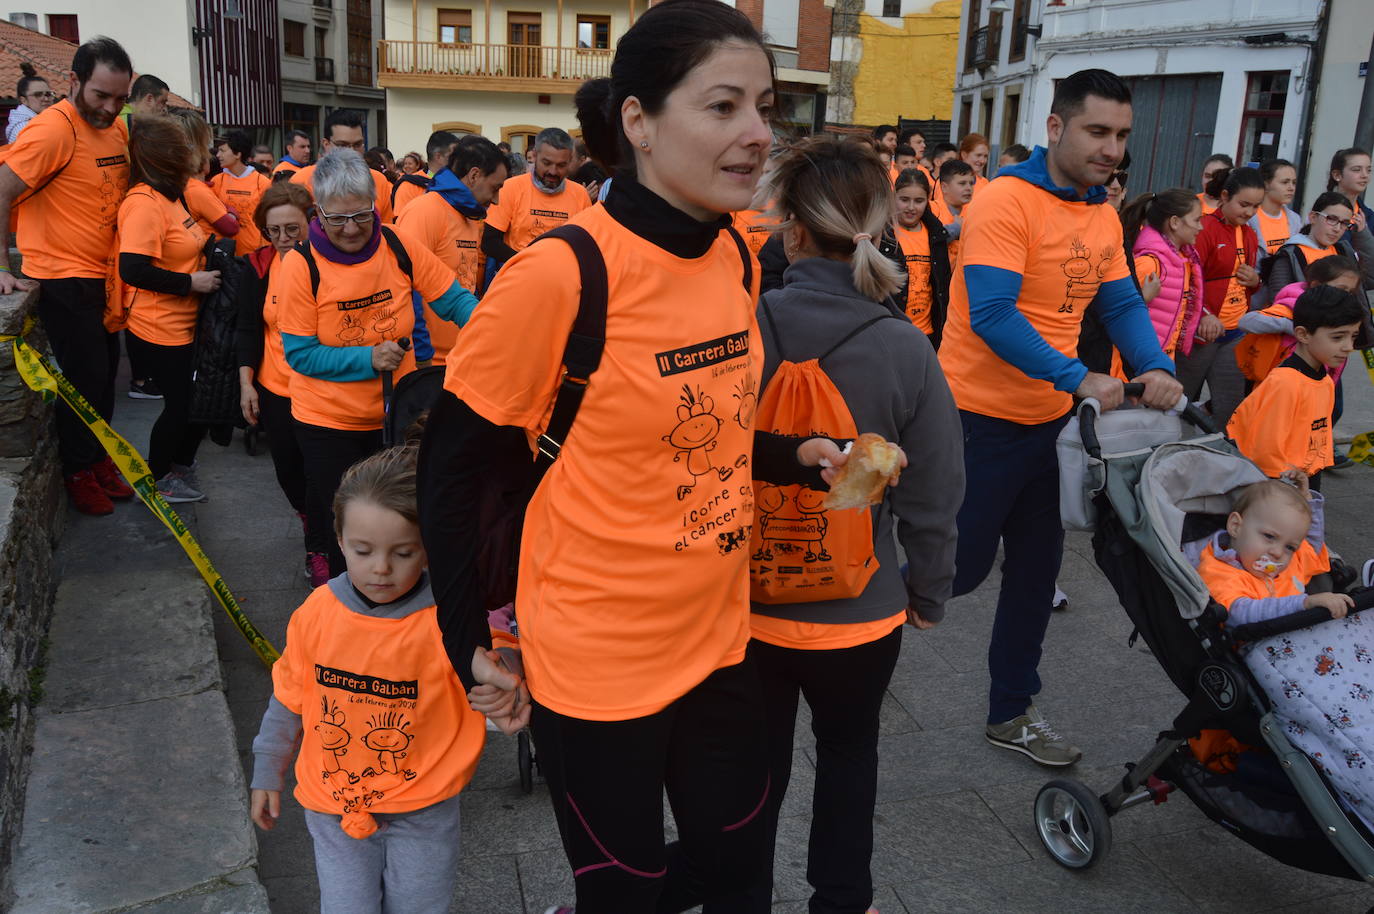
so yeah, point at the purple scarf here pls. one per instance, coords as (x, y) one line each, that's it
(320, 242)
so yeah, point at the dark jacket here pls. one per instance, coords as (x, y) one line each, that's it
(891, 381)
(773, 264)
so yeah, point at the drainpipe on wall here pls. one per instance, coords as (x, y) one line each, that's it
(1316, 55)
(1364, 125)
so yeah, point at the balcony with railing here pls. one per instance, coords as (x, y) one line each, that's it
(984, 46)
(324, 69)
(490, 67)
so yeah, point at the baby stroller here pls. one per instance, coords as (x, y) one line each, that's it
(405, 403)
(1145, 493)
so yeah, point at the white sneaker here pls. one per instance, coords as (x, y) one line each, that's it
(1367, 573)
(1061, 600)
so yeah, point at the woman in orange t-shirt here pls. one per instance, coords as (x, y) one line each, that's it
(1229, 251)
(161, 252)
(633, 592)
(1215, 163)
(974, 150)
(283, 218)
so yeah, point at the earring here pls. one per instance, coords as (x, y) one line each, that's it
(643, 144)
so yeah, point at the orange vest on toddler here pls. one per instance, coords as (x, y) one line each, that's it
(386, 723)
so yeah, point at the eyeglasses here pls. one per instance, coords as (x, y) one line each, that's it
(1119, 177)
(44, 94)
(356, 147)
(285, 231)
(361, 217)
(1336, 221)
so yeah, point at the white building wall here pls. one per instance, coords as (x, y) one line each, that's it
(1339, 90)
(413, 113)
(156, 33)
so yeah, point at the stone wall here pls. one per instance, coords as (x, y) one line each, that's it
(31, 511)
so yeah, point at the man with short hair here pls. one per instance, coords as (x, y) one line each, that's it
(1038, 246)
(69, 170)
(343, 129)
(916, 140)
(885, 138)
(262, 158)
(529, 208)
(411, 187)
(240, 186)
(448, 219)
(297, 156)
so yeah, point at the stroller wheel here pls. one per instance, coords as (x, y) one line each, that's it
(525, 756)
(1072, 823)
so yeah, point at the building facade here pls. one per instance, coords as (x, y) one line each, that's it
(221, 55)
(1340, 80)
(893, 60)
(328, 62)
(1233, 76)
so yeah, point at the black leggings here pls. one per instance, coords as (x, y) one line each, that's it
(72, 312)
(327, 454)
(174, 439)
(844, 689)
(274, 415)
(607, 779)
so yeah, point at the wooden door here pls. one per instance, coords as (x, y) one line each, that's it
(524, 39)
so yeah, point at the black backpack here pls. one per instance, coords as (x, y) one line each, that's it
(502, 505)
(214, 362)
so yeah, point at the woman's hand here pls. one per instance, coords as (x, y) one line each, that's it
(1297, 478)
(823, 452)
(248, 396)
(914, 619)
(499, 694)
(1210, 327)
(387, 356)
(205, 281)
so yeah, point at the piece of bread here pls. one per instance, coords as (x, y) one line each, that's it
(862, 480)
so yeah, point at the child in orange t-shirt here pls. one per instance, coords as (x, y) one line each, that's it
(1286, 422)
(391, 739)
(1258, 569)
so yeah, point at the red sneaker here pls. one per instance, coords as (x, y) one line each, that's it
(86, 494)
(107, 474)
(317, 567)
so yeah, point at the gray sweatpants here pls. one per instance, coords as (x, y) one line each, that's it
(409, 865)
(1214, 363)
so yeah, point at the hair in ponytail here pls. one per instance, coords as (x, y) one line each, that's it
(838, 191)
(1232, 181)
(1155, 210)
(665, 44)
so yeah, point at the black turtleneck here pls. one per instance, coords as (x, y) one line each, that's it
(656, 220)
(1300, 365)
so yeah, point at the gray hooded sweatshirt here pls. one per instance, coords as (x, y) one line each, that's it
(891, 380)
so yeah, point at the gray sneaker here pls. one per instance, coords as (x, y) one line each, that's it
(189, 474)
(175, 489)
(1030, 735)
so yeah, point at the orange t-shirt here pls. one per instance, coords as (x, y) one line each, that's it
(151, 224)
(915, 245)
(204, 206)
(241, 195)
(814, 636)
(386, 726)
(947, 218)
(454, 239)
(285, 166)
(524, 213)
(69, 224)
(381, 194)
(273, 373)
(1286, 421)
(1237, 300)
(1063, 250)
(1227, 583)
(634, 567)
(753, 228)
(406, 194)
(1206, 208)
(357, 305)
(1312, 255)
(1273, 230)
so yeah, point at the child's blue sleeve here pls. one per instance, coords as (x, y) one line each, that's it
(275, 747)
(1245, 610)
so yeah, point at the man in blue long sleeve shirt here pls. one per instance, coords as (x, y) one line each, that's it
(1037, 249)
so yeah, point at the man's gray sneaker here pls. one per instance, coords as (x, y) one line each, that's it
(189, 474)
(1030, 735)
(175, 489)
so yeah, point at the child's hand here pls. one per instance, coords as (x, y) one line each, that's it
(499, 694)
(916, 620)
(1338, 604)
(1296, 477)
(265, 808)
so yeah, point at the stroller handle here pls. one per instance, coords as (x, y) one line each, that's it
(404, 343)
(1257, 631)
(1089, 409)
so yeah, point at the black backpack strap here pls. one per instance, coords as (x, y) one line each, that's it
(744, 256)
(586, 342)
(303, 247)
(406, 179)
(853, 333)
(400, 252)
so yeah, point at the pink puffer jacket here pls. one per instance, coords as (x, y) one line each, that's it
(1165, 307)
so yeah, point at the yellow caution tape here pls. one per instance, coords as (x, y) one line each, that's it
(48, 382)
(1362, 449)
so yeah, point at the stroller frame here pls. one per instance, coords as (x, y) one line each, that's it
(1198, 651)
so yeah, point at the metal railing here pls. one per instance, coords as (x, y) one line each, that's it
(985, 46)
(484, 61)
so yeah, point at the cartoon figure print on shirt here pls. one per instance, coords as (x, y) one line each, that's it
(361, 771)
(717, 501)
(1080, 289)
(334, 739)
(363, 314)
(788, 533)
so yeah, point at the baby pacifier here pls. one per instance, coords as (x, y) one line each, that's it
(1266, 565)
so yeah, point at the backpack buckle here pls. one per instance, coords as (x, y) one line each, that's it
(548, 447)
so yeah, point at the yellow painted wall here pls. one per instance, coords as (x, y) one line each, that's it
(908, 71)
